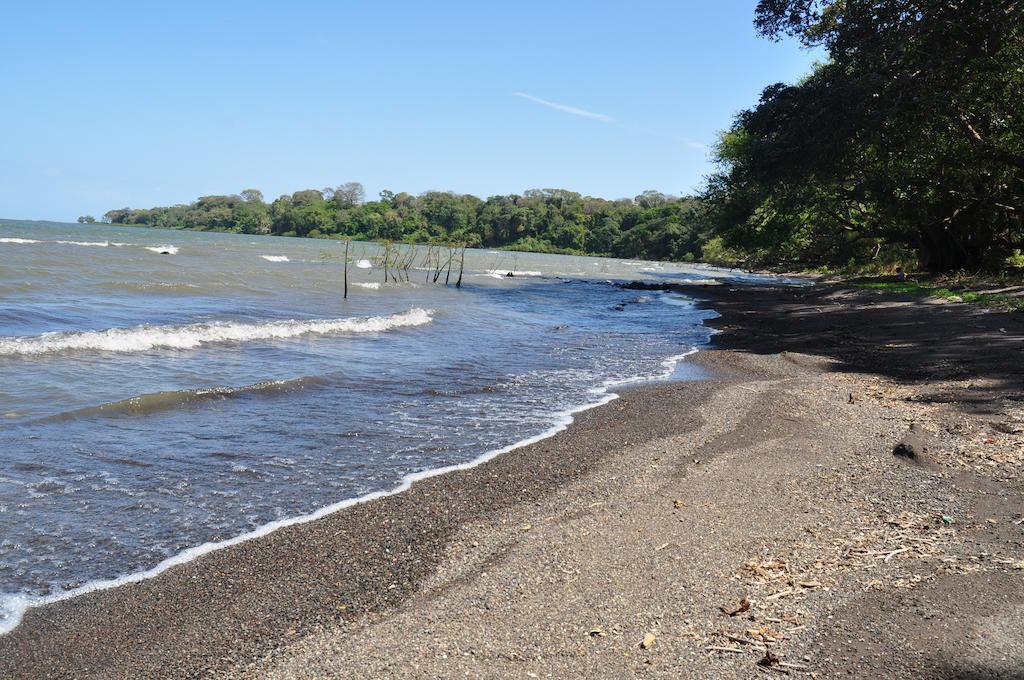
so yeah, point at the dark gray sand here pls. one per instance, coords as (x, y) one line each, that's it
(620, 547)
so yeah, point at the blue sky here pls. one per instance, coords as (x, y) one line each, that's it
(112, 104)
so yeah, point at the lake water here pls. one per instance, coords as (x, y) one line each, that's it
(162, 390)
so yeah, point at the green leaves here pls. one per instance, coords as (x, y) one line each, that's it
(652, 226)
(912, 134)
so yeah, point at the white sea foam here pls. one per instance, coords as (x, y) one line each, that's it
(89, 244)
(371, 286)
(14, 606)
(275, 258)
(93, 244)
(172, 250)
(143, 338)
(503, 273)
(676, 300)
(364, 264)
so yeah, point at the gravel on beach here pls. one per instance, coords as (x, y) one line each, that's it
(753, 522)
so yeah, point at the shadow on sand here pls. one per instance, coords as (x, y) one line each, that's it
(971, 356)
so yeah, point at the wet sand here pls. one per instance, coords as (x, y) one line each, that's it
(772, 483)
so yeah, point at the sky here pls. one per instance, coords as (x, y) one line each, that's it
(136, 104)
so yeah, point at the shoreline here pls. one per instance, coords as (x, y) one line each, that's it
(75, 604)
(15, 606)
(364, 588)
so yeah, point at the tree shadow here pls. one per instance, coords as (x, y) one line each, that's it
(953, 673)
(959, 353)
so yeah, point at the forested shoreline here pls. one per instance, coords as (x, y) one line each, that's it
(652, 226)
(904, 148)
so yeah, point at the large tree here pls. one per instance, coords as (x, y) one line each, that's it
(912, 133)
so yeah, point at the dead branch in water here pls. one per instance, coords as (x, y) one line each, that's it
(462, 266)
(427, 262)
(398, 260)
(408, 258)
(440, 267)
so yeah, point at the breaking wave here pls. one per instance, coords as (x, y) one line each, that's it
(144, 338)
(92, 244)
(504, 273)
(162, 249)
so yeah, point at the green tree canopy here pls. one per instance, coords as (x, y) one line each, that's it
(654, 225)
(911, 134)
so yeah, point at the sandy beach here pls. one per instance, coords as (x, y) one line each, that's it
(754, 522)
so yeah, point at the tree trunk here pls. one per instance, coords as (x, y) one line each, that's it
(943, 249)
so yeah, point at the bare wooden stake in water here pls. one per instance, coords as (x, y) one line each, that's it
(345, 294)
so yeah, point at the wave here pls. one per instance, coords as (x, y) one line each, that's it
(144, 338)
(162, 249)
(158, 286)
(677, 300)
(93, 244)
(370, 286)
(14, 606)
(156, 402)
(504, 273)
(364, 264)
(275, 258)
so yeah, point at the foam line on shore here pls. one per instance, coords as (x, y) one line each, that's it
(14, 606)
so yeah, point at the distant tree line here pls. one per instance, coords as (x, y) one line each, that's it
(907, 144)
(650, 226)
(904, 148)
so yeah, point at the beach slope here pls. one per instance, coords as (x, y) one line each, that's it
(754, 521)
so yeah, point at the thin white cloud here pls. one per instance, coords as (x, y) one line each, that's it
(565, 108)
